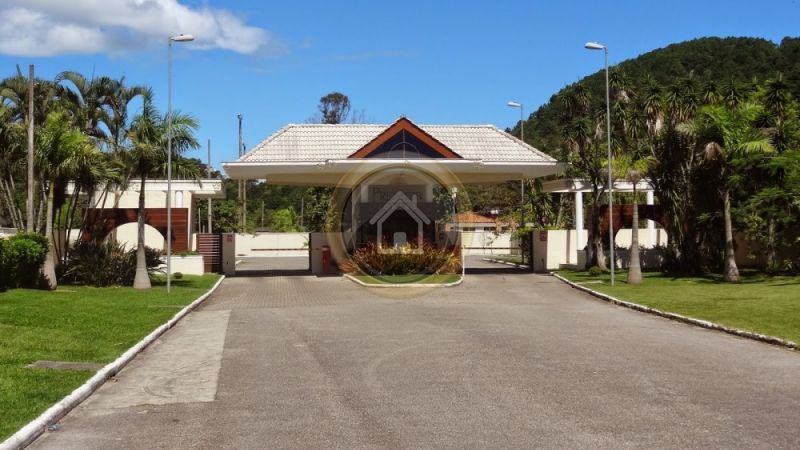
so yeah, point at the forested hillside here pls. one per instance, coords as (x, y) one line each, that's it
(741, 61)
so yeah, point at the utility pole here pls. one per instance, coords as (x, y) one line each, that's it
(242, 198)
(31, 180)
(208, 172)
(262, 214)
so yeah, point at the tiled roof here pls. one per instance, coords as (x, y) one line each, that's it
(319, 142)
(471, 217)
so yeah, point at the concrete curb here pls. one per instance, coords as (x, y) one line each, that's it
(688, 320)
(508, 263)
(400, 285)
(27, 434)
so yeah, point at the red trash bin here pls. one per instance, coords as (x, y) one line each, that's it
(326, 258)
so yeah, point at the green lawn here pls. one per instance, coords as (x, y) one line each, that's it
(767, 305)
(74, 323)
(408, 279)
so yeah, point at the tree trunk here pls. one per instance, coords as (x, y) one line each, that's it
(591, 255)
(730, 271)
(600, 252)
(772, 257)
(635, 266)
(142, 279)
(49, 267)
(40, 218)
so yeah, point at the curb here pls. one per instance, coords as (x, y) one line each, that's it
(27, 434)
(500, 261)
(399, 285)
(688, 320)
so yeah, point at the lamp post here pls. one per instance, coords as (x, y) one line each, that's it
(596, 46)
(178, 38)
(521, 107)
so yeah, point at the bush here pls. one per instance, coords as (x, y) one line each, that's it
(107, 264)
(405, 260)
(21, 259)
(595, 271)
(177, 276)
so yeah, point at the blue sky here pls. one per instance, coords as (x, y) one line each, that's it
(433, 61)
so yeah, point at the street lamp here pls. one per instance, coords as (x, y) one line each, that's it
(178, 38)
(519, 105)
(596, 46)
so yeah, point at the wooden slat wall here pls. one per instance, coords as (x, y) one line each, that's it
(210, 246)
(100, 222)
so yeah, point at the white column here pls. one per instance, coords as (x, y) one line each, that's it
(579, 221)
(651, 225)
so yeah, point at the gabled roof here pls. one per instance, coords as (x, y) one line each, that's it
(323, 142)
(404, 125)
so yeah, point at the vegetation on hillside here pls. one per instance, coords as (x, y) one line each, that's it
(714, 124)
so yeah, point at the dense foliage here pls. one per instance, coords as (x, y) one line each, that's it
(408, 259)
(89, 135)
(21, 258)
(716, 131)
(709, 60)
(107, 264)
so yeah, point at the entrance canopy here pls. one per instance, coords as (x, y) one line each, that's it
(341, 155)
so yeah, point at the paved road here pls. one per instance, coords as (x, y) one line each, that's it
(503, 361)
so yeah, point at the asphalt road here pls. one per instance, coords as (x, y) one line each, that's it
(506, 360)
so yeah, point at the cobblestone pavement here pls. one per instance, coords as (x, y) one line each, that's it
(505, 360)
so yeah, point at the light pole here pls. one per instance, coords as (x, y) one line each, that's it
(208, 172)
(242, 183)
(178, 38)
(596, 46)
(521, 107)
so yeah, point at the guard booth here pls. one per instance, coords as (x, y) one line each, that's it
(393, 184)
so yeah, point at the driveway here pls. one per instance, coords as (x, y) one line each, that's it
(511, 360)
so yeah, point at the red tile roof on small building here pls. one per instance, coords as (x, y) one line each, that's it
(471, 217)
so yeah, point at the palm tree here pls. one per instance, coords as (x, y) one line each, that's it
(632, 166)
(85, 100)
(14, 95)
(726, 135)
(12, 160)
(62, 152)
(147, 157)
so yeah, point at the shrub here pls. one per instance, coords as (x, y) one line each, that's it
(402, 261)
(595, 271)
(21, 260)
(177, 275)
(107, 264)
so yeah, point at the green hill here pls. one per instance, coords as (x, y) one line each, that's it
(723, 60)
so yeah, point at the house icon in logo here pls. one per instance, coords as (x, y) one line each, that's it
(400, 202)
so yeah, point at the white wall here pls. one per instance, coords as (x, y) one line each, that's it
(187, 265)
(272, 244)
(127, 236)
(560, 247)
(485, 243)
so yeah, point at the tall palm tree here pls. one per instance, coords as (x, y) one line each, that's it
(62, 152)
(147, 157)
(632, 166)
(12, 161)
(14, 95)
(726, 135)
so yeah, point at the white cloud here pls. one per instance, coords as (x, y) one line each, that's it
(55, 27)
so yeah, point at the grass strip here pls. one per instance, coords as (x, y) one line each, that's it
(761, 304)
(75, 324)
